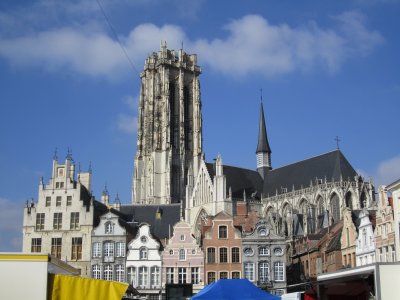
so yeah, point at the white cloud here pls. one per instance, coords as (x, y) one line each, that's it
(131, 102)
(127, 123)
(255, 45)
(252, 45)
(388, 171)
(11, 221)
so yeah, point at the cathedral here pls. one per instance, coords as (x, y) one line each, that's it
(169, 165)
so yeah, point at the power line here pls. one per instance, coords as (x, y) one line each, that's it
(116, 36)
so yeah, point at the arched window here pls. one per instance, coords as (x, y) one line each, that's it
(349, 200)
(182, 254)
(363, 200)
(335, 209)
(143, 253)
(108, 272)
(109, 228)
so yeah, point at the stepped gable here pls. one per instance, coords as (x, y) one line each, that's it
(239, 179)
(331, 165)
(161, 218)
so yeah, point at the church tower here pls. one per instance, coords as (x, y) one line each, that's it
(263, 151)
(169, 134)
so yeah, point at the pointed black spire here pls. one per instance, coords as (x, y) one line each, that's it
(263, 145)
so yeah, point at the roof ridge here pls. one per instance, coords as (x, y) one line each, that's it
(242, 168)
(297, 162)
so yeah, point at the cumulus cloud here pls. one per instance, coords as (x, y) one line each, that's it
(388, 171)
(127, 123)
(252, 45)
(255, 45)
(11, 214)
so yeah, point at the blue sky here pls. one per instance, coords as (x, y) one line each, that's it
(327, 69)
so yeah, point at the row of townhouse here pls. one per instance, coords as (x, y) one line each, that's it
(148, 246)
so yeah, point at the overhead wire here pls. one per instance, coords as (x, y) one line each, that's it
(116, 36)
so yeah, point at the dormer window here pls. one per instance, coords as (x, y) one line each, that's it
(143, 253)
(222, 232)
(182, 237)
(109, 228)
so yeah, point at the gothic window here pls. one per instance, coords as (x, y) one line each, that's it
(335, 209)
(363, 200)
(349, 200)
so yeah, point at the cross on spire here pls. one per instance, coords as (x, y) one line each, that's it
(337, 142)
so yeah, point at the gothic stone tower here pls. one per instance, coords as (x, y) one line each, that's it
(169, 135)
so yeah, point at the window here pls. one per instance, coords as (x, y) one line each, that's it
(155, 276)
(235, 275)
(76, 251)
(74, 220)
(36, 245)
(56, 247)
(182, 237)
(108, 272)
(96, 249)
(170, 275)
(143, 239)
(171, 252)
(108, 251)
(263, 271)
(58, 201)
(223, 275)
(109, 228)
(120, 273)
(96, 273)
(69, 200)
(249, 271)
(211, 255)
(195, 275)
(210, 277)
(222, 232)
(279, 292)
(57, 221)
(182, 254)
(235, 255)
(48, 201)
(278, 271)
(143, 253)
(143, 276)
(248, 251)
(263, 251)
(132, 276)
(223, 255)
(40, 221)
(181, 275)
(120, 249)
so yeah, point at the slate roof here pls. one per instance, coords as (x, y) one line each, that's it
(239, 179)
(160, 227)
(331, 165)
(263, 145)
